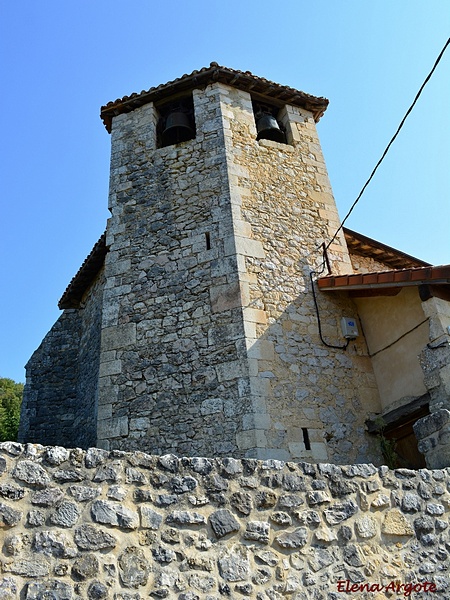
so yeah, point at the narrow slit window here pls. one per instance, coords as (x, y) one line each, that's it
(306, 438)
(208, 240)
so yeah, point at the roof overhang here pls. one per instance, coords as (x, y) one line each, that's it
(86, 274)
(386, 282)
(365, 246)
(245, 81)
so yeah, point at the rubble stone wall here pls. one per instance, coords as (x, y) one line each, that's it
(60, 396)
(100, 524)
(173, 353)
(47, 413)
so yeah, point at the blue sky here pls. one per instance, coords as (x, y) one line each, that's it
(60, 61)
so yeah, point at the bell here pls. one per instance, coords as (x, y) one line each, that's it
(268, 129)
(178, 128)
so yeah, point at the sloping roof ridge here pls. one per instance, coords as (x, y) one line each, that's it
(215, 72)
(85, 275)
(366, 246)
(431, 274)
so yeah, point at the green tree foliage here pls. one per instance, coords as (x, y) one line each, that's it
(10, 401)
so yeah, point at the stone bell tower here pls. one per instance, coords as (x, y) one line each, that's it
(219, 201)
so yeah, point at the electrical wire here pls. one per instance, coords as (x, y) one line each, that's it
(390, 143)
(326, 246)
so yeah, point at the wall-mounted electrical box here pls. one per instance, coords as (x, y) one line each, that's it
(349, 328)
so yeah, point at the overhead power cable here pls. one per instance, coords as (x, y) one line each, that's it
(390, 144)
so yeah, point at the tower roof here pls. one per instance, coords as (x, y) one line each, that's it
(245, 81)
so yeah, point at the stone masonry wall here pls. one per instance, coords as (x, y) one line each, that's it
(50, 391)
(210, 341)
(85, 427)
(309, 401)
(60, 396)
(173, 352)
(127, 526)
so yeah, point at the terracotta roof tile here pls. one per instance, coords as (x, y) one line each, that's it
(439, 275)
(244, 80)
(364, 246)
(85, 275)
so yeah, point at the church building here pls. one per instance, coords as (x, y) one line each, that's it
(225, 312)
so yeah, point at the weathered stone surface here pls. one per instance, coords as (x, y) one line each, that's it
(202, 583)
(235, 566)
(28, 566)
(35, 518)
(396, 524)
(95, 457)
(133, 567)
(202, 466)
(258, 531)
(318, 497)
(163, 555)
(8, 589)
(169, 462)
(242, 501)
(116, 492)
(97, 591)
(85, 567)
(82, 493)
(31, 473)
(320, 559)
(56, 590)
(281, 518)
(140, 495)
(106, 473)
(56, 455)
(181, 485)
(223, 523)
(135, 476)
(340, 512)
(89, 537)
(114, 514)
(324, 534)
(48, 497)
(9, 516)
(150, 519)
(411, 503)
(184, 517)
(353, 556)
(295, 539)
(366, 527)
(11, 492)
(268, 557)
(265, 499)
(68, 475)
(54, 543)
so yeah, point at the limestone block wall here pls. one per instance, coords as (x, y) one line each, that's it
(127, 526)
(435, 357)
(172, 353)
(309, 401)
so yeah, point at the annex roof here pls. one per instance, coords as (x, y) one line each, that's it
(365, 246)
(85, 275)
(243, 80)
(395, 278)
